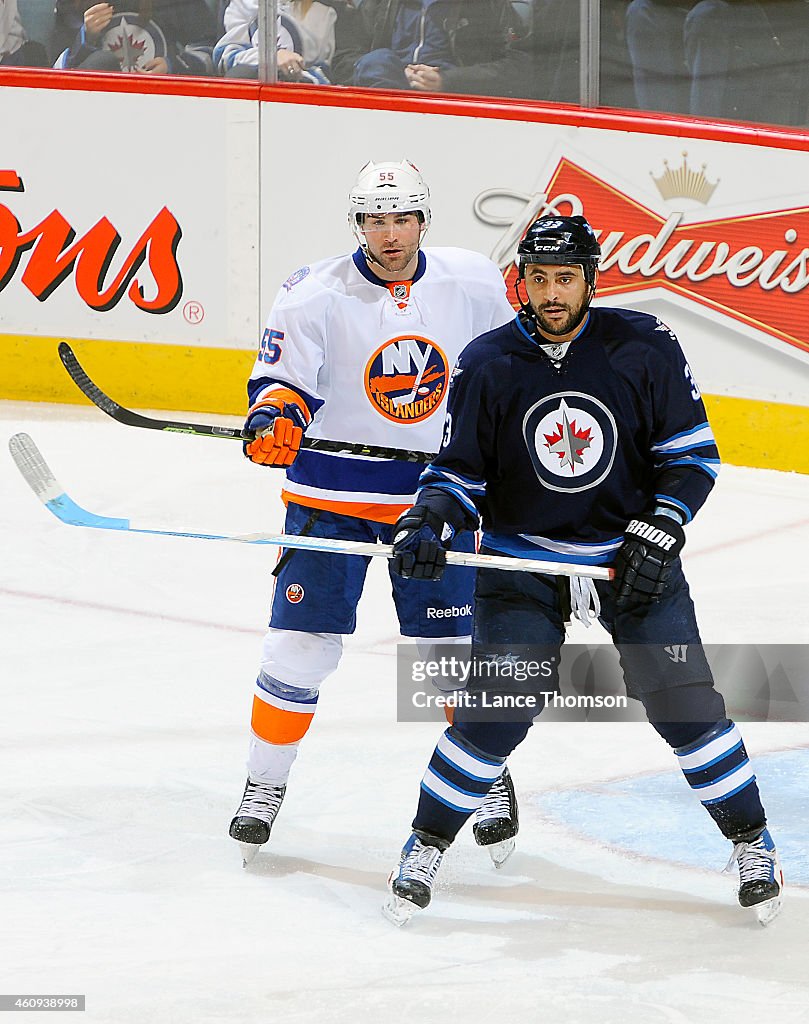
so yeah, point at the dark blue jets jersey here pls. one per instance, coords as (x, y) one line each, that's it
(558, 457)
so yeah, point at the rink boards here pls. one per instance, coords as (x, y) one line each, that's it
(160, 243)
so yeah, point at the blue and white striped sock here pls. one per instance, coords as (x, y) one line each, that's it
(455, 784)
(717, 768)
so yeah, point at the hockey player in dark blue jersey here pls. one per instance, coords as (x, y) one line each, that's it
(577, 433)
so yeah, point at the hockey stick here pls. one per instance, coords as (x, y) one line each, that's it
(134, 419)
(43, 483)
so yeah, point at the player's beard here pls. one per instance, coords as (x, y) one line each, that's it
(393, 263)
(557, 327)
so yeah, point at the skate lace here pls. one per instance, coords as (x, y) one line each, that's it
(261, 800)
(755, 861)
(497, 803)
(583, 593)
(422, 863)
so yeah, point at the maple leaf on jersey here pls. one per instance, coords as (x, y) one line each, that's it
(569, 444)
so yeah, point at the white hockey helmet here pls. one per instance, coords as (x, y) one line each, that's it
(388, 188)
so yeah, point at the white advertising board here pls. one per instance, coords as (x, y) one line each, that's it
(155, 223)
(129, 217)
(711, 241)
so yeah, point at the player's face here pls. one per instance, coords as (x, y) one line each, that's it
(559, 297)
(393, 242)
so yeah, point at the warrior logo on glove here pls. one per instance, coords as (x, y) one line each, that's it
(644, 560)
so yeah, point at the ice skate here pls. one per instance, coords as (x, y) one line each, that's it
(497, 820)
(411, 885)
(761, 878)
(254, 819)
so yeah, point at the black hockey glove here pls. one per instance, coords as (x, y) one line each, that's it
(644, 560)
(420, 540)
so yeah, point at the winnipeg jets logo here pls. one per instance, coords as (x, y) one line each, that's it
(571, 439)
(569, 443)
(135, 43)
(128, 45)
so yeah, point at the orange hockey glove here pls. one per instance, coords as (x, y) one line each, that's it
(279, 431)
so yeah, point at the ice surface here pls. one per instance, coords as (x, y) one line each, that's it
(126, 681)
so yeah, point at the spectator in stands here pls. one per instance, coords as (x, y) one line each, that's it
(16, 49)
(655, 40)
(744, 60)
(152, 37)
(520, 49)
(749, 59)
(436, 44)
(317, 41)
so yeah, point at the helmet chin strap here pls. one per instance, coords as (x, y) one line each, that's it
(368, 257)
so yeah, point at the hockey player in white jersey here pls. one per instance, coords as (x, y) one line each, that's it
(359, 348)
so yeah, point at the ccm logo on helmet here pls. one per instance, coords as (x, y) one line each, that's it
(651, 533)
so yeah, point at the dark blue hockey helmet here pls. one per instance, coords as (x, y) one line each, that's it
(562, 241)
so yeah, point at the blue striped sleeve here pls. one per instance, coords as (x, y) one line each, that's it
(682, 447)
(256, 385)
(461, 488)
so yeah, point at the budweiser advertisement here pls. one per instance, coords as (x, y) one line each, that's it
(751, 268)
(710, 235)
(176, 218)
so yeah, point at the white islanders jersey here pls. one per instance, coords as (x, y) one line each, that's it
(370, 360)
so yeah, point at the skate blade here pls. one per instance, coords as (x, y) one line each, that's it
(769, 910)
(249, 851)
(500, 852)
(397, 910)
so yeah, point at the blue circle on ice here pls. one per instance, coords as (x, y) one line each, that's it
(658, 816)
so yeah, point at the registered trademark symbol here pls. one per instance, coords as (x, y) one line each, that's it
(193, 312)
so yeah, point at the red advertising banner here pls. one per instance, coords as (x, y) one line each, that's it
(752, 268)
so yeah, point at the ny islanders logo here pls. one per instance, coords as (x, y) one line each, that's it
(571, 438)
(406, 378)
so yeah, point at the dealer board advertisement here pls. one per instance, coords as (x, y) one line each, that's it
(124, 218)
(155, 231)
(710, 236)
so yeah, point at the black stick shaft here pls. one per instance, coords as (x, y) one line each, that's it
(134, 419)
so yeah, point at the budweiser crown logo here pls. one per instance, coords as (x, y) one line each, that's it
(685, 183)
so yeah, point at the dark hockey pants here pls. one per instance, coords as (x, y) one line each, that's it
(678, 697)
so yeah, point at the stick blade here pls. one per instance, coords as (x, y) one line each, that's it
(87, 387)
(37, 474)
(33, 468)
